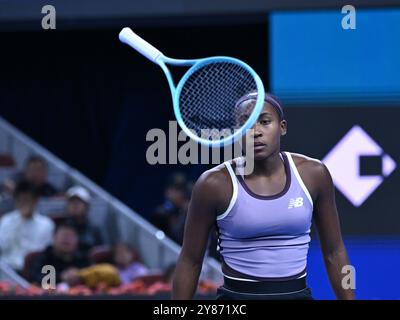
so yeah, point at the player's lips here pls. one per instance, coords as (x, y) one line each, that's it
(259, 146)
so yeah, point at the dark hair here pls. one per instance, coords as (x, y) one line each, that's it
(271, 99)
(36, 158)
(26, 187)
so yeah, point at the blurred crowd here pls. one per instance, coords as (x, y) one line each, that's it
(170, 216)
(30, 240)
(69, 242)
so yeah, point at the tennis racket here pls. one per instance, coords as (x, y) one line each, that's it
(205, 98)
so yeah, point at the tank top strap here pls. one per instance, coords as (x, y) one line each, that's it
(297, 176)
(234, 181)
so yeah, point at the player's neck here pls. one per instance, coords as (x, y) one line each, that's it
(269, 166)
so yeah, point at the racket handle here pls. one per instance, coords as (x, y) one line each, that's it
(132, 39)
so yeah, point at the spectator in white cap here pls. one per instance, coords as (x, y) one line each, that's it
(78, 204)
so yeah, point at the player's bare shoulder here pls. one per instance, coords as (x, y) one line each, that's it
(215, 186)
(304, 162)
(313, 172)
(214, 179)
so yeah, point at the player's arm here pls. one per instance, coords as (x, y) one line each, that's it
(200, 218)
(328, 226)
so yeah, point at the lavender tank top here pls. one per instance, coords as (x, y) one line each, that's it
(266, 237)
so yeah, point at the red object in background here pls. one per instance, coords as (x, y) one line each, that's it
(158, 287)
(150, 279)
(5, 287)
(101, 288)
(206, 287)
(80, 291)
(138, 287)
(8, 288)
(35, 291)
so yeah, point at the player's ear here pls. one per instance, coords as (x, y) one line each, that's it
(283, 126)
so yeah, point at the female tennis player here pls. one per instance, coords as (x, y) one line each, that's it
(263, 219)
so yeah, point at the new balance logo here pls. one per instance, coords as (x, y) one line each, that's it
(295, 203)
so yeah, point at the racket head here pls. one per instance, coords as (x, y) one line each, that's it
(206, 96)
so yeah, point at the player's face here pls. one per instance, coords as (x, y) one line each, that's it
(264, 137)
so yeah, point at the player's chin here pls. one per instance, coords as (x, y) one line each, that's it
(259, 153)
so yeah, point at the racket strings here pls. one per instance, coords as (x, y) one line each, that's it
(208, 98)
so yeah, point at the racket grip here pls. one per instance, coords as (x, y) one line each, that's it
(132, 39)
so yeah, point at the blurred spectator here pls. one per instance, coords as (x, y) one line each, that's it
(77, 210)
(126, 260)
(6, 201)
(24, 230)
(63, 255)
(35, 172)
(171, 215)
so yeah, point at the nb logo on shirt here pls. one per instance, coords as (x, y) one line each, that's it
(295, 203)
